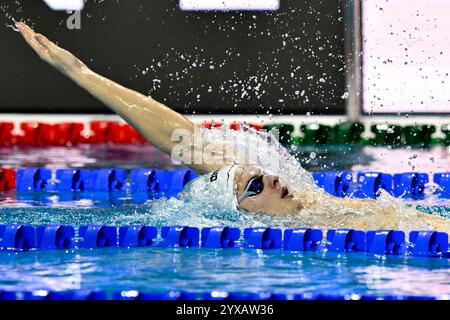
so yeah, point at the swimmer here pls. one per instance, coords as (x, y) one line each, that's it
(230, 184)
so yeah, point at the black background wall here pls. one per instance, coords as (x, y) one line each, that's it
(289, 61)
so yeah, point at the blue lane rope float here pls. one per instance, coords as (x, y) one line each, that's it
(368, 184)
(137, 236)
(346, 240)
(15, 237)
(53, 237)
(302, 239)
(426, 243)
(97, 236)
(188, 295)
(220, 237)
(180, 236)
(387, 242)
(410, 185)
(32, 179)
(443, 181)
(171, 182)
(429, 244)
(262, 238)
(147, 183)
(372, 182)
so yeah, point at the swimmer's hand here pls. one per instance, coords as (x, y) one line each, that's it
(155, 121)
(59, 58)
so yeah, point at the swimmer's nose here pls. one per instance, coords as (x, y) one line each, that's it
(271, 181)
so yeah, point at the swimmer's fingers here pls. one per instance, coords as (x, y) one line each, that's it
(47, 44)
(30, 37)
(48, 51)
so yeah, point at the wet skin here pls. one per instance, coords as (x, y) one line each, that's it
(276, 197)
(156, 122)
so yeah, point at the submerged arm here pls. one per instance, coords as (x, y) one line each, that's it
(155, 121)
(388, 217)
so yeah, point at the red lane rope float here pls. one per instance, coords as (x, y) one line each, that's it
(36, 133)
(6, 136)
(99, 132)
(123, 133)
(237, 126)
(67, 133)
(209, 124)
(112, 132)
(42, 134)
(7, 179)
(234, 125)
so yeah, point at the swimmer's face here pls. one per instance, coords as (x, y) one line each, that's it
(276, 197)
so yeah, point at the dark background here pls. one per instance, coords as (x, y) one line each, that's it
(289, 61)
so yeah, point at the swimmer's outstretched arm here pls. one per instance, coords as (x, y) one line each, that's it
(152, 119)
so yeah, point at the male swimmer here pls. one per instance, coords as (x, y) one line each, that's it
(226, 183)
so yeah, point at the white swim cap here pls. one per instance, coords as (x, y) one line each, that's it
(216, 188)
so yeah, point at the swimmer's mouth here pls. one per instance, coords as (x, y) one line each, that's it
(285, 192)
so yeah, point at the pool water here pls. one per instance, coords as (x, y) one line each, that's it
(160, 269)
(199, 270)
(312, 158)
(122, 211)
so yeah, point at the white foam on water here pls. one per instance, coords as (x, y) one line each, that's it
(321, 210)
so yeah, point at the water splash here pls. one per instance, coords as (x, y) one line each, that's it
(13, 25)
(321, 210)
(11, 10)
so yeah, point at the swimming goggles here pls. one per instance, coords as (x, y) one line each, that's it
(254, 187)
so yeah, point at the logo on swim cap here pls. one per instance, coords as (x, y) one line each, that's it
(214, 176)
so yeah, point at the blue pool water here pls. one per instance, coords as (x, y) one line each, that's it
(199, 270)
(160, 269)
